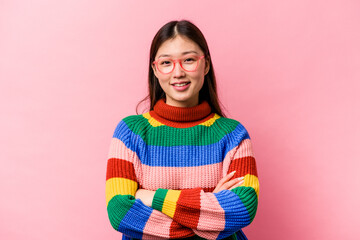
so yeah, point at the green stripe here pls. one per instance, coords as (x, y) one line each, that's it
(117, 208)
(159, 198)
(180, 136)
(249, 198)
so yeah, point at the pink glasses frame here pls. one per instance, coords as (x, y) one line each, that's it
(175, 60)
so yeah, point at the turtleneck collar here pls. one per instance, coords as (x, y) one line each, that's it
(181, 116)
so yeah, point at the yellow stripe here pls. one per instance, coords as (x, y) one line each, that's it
(116, 186)
(251, 181)
(169, 205)
(211, 121)
(152, 121)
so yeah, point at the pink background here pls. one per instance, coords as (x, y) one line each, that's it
(71, 70)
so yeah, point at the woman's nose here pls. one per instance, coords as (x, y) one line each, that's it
(178, 71)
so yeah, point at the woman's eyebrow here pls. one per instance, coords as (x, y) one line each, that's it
(184, 53)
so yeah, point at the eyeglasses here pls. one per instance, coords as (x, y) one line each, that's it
(188, 63)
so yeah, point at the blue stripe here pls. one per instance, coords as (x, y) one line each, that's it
(236, 214)
(241, 235)
(124, 237)
(180, 156)
(134, 221)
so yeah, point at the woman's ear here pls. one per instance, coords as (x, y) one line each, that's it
(207, 66)
(154, 70)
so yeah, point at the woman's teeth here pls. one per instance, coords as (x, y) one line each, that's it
(181, 84)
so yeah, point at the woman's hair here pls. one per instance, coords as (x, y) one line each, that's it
(169, 31)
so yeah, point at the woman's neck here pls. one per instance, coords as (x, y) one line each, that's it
(192, 102)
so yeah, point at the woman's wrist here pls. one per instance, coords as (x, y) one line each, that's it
(146, 196)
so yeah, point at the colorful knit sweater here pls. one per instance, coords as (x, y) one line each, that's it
(181, 153)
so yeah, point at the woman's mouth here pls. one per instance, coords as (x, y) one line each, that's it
(181, 86)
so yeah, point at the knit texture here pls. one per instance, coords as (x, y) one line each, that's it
(181, 153)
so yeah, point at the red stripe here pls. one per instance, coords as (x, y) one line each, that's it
(188, 207)
(120, 168)
(178, 231)
(243, 166)
(210, 189)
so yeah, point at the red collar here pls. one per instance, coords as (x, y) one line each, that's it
(181, 116)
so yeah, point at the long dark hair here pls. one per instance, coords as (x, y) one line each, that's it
(188, 29)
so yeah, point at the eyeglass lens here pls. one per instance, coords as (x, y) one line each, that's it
(189, 63)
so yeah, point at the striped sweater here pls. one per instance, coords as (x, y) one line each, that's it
(181, 153)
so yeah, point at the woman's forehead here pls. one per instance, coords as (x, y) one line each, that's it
(183, 53)
(178, 46)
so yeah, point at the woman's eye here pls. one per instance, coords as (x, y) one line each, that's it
(165, 62)
(189, 60)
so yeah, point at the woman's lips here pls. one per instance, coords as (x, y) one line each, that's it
(182, 88)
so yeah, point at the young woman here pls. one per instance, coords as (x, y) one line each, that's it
(182, 169)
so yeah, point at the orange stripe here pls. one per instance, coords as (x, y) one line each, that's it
(243, 166)
(178, 231)
(184, 213)
(120, 168)
(209, 189)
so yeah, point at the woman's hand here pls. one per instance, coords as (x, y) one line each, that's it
(226, 183)
(146, 196)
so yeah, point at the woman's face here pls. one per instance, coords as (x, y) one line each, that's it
(187, 96)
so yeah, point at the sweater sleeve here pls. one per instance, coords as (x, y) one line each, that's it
(225, 212)
(127, 214)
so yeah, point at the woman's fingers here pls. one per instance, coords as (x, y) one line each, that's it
(237, 185)
(229, 184)
(223, 180)
(226, 178)
(232, 183)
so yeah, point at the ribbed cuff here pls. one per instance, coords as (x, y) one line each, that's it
(158, 199)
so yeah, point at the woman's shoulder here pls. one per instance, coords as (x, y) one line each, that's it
(131, 119)
(129, 124)
(232, 127)
(231, 122)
